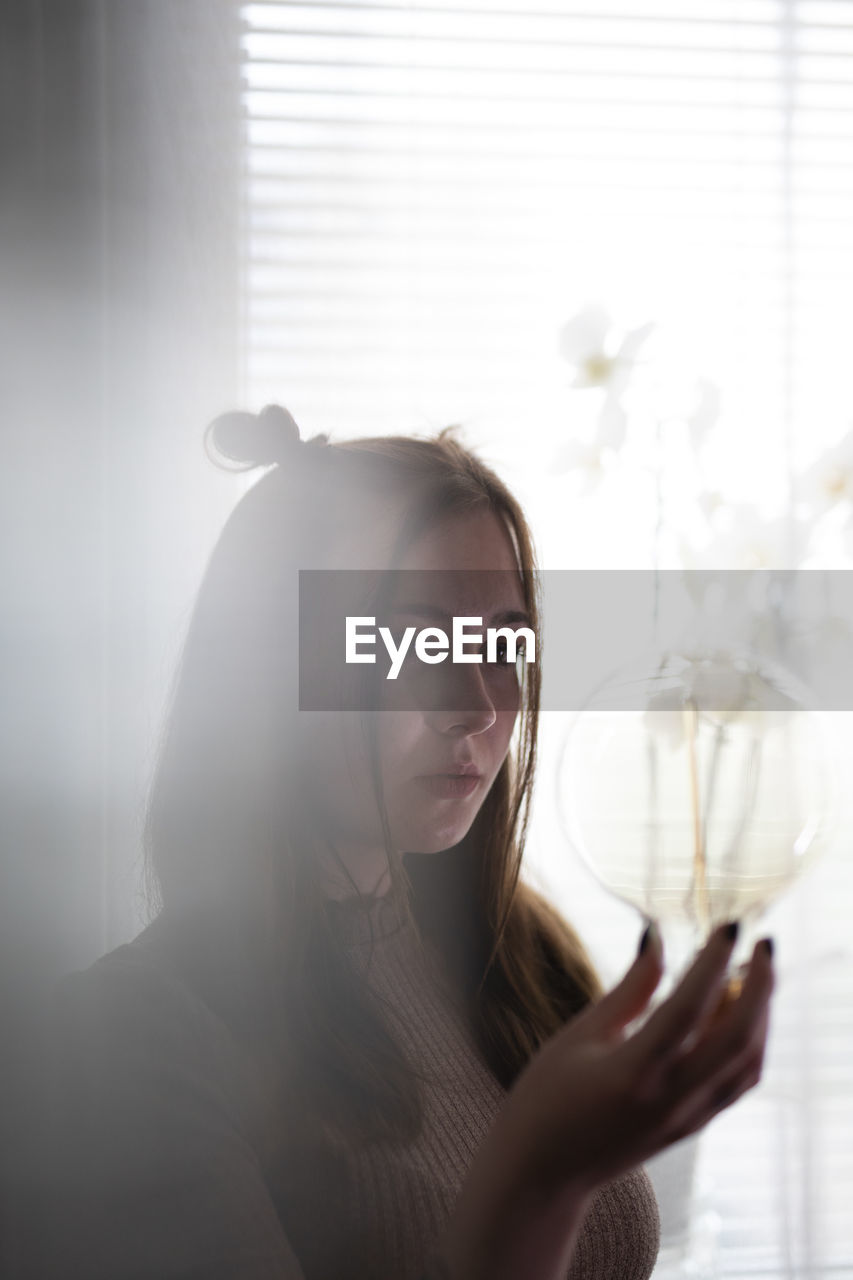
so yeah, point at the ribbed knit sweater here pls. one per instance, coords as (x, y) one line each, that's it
(166, 1171)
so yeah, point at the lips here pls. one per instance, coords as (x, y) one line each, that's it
(454, 783)
(463, 770)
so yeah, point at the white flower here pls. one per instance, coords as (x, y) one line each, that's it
(603, 358)
(848, 537)
(728, 578)
(747, 540)
(612, 424)
(677, 397)
(722, 689)
(587, 459)
(824, 649)
(710, 502)
(599, 353)
(704, 412)
(829, 480)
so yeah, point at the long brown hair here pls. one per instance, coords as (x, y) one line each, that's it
(233, 859)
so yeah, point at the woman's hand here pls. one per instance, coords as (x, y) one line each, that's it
(594, 1103)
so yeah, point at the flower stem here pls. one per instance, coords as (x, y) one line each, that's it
(749, 795)
(652, 870)
(713, 769)
(657, 535)
(699, 886)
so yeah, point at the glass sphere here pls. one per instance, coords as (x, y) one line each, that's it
(698, 786)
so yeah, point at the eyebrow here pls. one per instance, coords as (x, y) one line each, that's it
(435, 614)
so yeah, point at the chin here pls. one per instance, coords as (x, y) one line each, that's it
(433, 827)
(437, 840)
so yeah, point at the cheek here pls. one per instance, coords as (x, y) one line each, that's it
(399, 738)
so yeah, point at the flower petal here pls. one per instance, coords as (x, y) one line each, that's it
(633, 340)
(612, 424)
(585, 335)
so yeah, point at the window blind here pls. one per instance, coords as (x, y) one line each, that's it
(431, 190)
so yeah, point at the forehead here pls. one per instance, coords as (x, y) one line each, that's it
(479, 540)
(363, 535)
(464, 564)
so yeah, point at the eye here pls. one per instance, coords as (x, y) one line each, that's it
(502, 654)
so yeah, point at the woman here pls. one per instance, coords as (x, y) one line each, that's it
(353, 1043)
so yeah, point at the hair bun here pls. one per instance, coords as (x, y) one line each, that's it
(256, 439)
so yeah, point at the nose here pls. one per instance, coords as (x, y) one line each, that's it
(475, 710)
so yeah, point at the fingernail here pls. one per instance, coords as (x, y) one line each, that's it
(767, 943)
(730, 932)
(649, 934)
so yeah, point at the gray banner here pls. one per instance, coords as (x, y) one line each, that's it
(744, 640)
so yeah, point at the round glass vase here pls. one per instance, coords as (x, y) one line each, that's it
(696, 787)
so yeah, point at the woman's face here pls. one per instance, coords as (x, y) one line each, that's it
(443, 731)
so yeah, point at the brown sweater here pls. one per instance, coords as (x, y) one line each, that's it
(163, 1171)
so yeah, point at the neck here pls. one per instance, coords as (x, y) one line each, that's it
(356, 872)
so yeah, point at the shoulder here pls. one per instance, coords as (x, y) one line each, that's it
(129, 1034)
(130, 996)
(150, 1166)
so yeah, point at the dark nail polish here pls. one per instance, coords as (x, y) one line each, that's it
(651, 937)
(731, 931)
(767, 943)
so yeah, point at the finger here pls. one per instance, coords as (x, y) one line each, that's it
(629, 998)
(728, 1089)
(732, 1078)
(690, 1004)
(732, 988)
(698, 1108)
(734, 1086)
(737, 1034)
(724, 1097)
(725, 1063)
